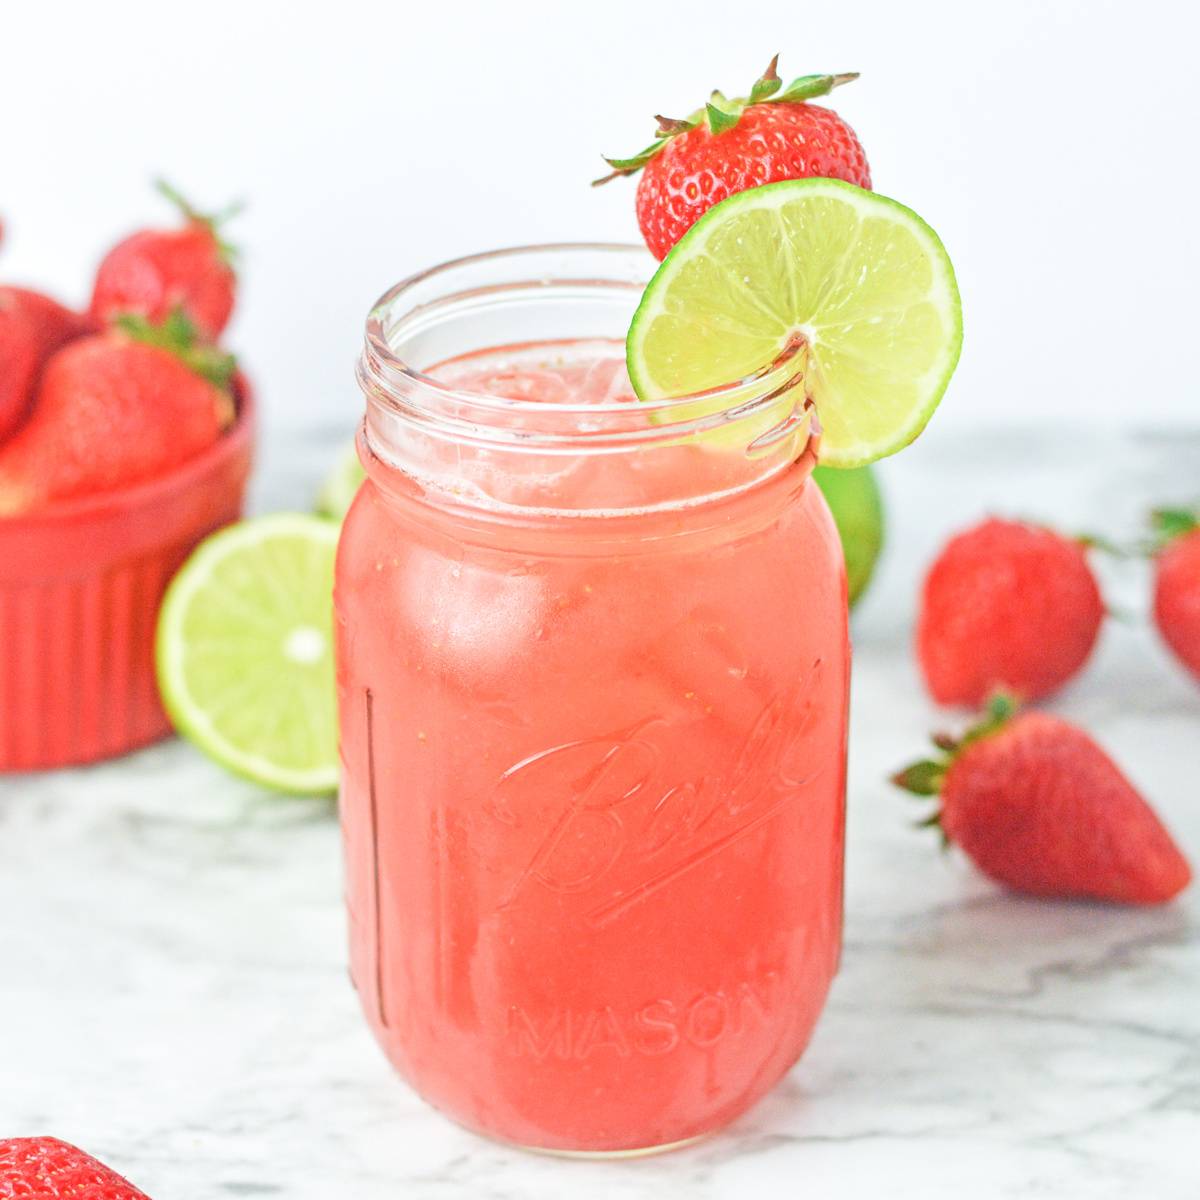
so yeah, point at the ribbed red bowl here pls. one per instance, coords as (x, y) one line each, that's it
(80, 587)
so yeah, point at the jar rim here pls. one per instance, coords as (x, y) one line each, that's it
(382, 366)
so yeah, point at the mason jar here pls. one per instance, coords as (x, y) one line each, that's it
(592, 680)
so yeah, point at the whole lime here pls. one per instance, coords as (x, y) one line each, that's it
(341, 484)
(857, 506)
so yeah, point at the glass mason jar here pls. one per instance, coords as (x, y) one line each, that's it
(592, 680)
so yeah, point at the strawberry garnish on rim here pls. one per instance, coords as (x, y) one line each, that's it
(721, 114)
(728, 146)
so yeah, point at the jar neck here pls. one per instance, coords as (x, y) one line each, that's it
(709, 522)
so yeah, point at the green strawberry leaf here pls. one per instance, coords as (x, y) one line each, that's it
(921, 778)
(668, 127)
(177, 334)
(722, 114)
(808, 86)
(1170, 523)
(213, 221)
(1001, 708)
(767, 84)
(718, 119)
(630, 166)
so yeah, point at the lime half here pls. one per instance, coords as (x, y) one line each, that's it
(860, 278)
(244, 651)
(341, 484)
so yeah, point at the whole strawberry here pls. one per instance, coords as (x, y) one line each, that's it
(44, 1168)
(1006, 605)
(156, 271)
(32, 328)
(731, 145)
(114, 409)
(1177, 584)
(1040, 808)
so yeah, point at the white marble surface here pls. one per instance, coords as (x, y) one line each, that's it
(173, 991)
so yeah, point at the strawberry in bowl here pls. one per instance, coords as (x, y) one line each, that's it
(32, 328)
(156, 272)
(114, 409)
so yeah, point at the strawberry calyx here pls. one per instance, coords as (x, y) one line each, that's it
(721, 114)
(1171, 523)
(924, 777)
(211, 221)
(178, 335)
(1167, 525)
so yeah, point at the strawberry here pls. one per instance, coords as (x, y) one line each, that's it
(115, 408)
(1006, 604)
(155, 271)
(44, 1168)
(1040, 808)
(1177, 584)
(18, 367)
(731, 145)
(32, 328)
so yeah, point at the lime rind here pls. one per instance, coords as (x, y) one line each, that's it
(855, 500)
(244, 653)
(862, 278)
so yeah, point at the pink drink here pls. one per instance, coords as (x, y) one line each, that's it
(593, 717)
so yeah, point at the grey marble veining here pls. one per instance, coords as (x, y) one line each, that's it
(173, 991)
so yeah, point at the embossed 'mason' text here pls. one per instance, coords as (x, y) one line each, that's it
(655, 1028)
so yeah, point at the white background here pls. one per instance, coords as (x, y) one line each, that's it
(1052, 144)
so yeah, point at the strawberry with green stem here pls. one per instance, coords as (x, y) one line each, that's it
(155, 271)
(117, 408)
(727, 146)
(1038, 806)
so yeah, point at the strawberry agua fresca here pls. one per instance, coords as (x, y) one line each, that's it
(592, 677)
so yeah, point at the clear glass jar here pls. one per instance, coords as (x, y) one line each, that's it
(592, 676)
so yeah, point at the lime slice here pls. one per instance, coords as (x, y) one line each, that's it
(244, 651)
(857, 507)
(341, 484)
(863, 280)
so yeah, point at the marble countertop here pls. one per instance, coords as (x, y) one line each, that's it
(174, 998)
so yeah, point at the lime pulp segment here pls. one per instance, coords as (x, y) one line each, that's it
(863, 280)
(244, 651)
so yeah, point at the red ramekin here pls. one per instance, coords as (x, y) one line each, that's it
(80, 587)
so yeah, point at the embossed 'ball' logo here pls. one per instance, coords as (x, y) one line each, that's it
(620, 798)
